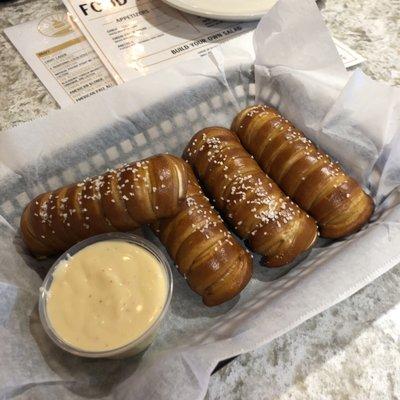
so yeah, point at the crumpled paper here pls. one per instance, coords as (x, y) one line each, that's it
(298, 70)
(354, 118)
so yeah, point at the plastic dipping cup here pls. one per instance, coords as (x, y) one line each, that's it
(95, 297)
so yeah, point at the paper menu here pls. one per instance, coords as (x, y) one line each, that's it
(134, 37)
(61, 57)
(349, 57)
(68, 66)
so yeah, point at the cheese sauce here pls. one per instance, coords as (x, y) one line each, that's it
(106, 295)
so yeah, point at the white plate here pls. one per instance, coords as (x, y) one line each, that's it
(232, 10)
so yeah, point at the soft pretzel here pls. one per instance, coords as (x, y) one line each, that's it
(215, 265)
(120, 200)
(249, 200)
(305, 173)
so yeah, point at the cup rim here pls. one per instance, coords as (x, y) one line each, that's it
(44, 288)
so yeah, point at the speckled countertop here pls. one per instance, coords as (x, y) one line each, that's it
(352, 350)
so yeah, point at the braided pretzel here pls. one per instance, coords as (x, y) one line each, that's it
(120, 200)
(251, 202)
(215, 265)
(306, 174)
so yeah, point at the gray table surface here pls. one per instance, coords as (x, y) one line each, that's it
(352, 350)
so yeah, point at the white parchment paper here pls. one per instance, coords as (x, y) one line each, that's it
(298, 70)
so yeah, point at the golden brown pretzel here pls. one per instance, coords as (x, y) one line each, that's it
(120, 200)
(215, 265)
(251, 202)
(306, 174)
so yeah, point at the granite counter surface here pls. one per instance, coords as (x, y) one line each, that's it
(352, 350)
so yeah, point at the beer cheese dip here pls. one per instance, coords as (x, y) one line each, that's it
(106, 295)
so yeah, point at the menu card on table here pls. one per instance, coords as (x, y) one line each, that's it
(114, 41)
(134, 37)
(349, 57)
(61, 57)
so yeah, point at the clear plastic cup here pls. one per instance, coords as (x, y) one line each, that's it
(137, 345)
